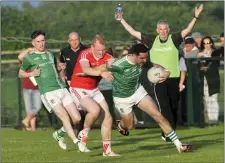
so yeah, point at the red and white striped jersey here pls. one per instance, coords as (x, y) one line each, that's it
(87, 82)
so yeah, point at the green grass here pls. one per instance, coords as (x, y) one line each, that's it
(141, 146)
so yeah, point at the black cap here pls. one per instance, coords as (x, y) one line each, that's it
(138, 48)
(189, 40)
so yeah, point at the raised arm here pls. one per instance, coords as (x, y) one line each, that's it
(132, 31)
(24, 53)
(189, 28)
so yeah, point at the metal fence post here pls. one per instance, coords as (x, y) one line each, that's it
(19, 102)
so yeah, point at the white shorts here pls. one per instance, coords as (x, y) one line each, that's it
(79, 93)
(124, 105)
(59, 96)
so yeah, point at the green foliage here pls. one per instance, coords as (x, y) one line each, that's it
(59, 18)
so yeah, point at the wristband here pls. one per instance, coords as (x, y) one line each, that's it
(195, 17)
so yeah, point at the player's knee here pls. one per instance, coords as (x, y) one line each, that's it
(95, 112)
(76, 119)
(158, 117)
(64, 118)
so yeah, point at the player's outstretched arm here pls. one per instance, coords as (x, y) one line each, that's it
(132, 31)
(87, 70)
(97, 71)
(189, 28)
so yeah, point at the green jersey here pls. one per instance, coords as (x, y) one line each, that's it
(49, 79)
(126, 76)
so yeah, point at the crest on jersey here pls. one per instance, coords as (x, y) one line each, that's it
(43, 57)
(52, 101)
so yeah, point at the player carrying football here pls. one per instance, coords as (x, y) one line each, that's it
(128, 92)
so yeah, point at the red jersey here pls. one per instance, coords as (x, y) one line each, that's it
(27, 84)
(87, 82)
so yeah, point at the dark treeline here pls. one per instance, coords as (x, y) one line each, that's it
(58, 19)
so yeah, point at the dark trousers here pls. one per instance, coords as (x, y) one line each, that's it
(167, 98)
(182, 117)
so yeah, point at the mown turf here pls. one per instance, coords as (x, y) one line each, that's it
(143, 145)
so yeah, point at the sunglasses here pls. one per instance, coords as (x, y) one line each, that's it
(205, 43)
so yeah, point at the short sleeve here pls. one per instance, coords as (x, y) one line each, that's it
(183, 66)
(177, 39)
(147, 40)
(115, 67)
(26, 63)
(61, 57)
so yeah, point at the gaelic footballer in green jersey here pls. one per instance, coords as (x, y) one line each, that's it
(128, 92)
(54, 95)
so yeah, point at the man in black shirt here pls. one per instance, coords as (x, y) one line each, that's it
(220, 51)
(164, 51)
(69, 55)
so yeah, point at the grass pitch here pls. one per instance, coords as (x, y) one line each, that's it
(143, 145)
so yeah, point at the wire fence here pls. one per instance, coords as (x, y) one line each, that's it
(12, 105)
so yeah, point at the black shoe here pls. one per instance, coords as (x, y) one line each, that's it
(166, 139)
(124, 132)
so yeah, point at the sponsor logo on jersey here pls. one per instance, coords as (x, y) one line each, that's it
(68, 59)
(36, 58)
(43, 57)
(43, 64)
(162, 49)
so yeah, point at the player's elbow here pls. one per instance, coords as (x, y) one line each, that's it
(20, 58)
(21, 74)
(136, 34)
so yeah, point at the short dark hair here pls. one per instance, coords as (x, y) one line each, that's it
(222, 35)
(37, 33)
(138, 48)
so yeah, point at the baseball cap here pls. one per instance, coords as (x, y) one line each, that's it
(196, 35)
(189, 40)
